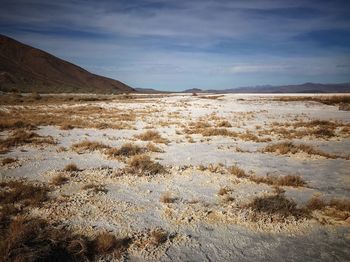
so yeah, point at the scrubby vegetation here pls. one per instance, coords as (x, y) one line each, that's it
(291, 148)
(143, 165)
(21, 137)
(151, 135)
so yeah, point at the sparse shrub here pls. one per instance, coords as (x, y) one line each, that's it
(71, 167)
(288, 180)
(167, 198)
(125, 150)
(158, 237)
(21, 137)
(278, 206)
(223, 191)
(237, 171)
(153, 148)
(143, 165)
(291, 148)
(224, 123)
(95, 188)
(88, 146)
(151, 135)
(8, 160)
(59, 180)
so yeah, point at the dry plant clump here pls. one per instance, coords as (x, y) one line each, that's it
(59, 180)
(143, 165)
(336, 208)
(167, 198)
(237, 171)
(21, 137)
(158, 236)
(126, 150)
(277, 207)
(8, 160)
(71, 167)
(288, 180)
(291, 148)
(223, 191)
(151, 135)
(224, 123)
(88, 146)
(95, 188)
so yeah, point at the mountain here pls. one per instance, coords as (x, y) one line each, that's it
(303, 88)
(29, 69)
(149, 91)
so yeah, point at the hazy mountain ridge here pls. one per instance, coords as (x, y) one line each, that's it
(303, 88)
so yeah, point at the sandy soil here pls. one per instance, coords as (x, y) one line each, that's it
(202, 225)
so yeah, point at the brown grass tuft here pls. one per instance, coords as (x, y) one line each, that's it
(277, 206)
(288, 180)
(95, 188)
(88, 146)
(71, 167)
(22, 137)
(158, 237)
(291, 148)
(237, 171)
(167, 198)
(125, 150)
(59, 180)
(7, 160)
(151, 135)
(143, 165)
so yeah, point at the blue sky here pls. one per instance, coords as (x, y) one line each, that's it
(176, 45)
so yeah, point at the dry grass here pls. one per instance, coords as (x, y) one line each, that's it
(21, 137)
(24, 193)
(151, 135)
(167, 198)
(277, 207)
(291, 148)
(143, 165)
(158, 237)
(126, 150)
(223, 191)
(88, 146)
(59, 180)
(288, 180)
(8, 160)
(224, 123)
(95, 188)
(335, 208)
(237, 171)
(71, 167)
(153, 148)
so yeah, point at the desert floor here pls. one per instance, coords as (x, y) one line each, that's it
(186, 178)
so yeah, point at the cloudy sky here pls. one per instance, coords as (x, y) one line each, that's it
(180, 44)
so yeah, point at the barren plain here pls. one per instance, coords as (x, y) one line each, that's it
(175, 177)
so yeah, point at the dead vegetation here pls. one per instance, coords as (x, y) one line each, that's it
(336, 208)
(167, 198)
(154, 136)
(59, 180)
(126, 150)
(66, 117)
(273, 180)
(143, 165)
(275, 208)
(88, 146)
(302, 129)
(71, 167)
(22, 137)
(95, 188)
(284, 148)
(8, 160)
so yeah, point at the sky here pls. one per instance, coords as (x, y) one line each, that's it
(183, 44)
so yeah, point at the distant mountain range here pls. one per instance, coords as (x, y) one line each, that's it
(303, 88)
(28, 69)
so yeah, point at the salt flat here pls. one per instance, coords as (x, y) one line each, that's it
(206, 170)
